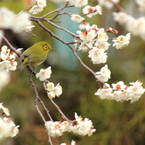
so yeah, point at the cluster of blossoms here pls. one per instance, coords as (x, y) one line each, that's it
(7, 126)
(121, 92)
(77, 126)
(16, 22)
(51, 89)
(135, 26)
(7, 59)
(94, 39)
(38, 7)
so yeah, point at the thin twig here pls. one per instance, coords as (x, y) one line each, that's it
(11, 47)
(37, 97)
(49, 140)
(57, 10)
(61, 28)
(61, 113)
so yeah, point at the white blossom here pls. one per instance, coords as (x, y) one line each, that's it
(53, 90)
(97, 55)
(6, 18)
(56, 128)
(72, 143)
(121, 17)
(7, 126)
(86, 46)
(7, 59)
(44, 74)
(77, 18)
(104, 74)
(40, 4)
(91, 11)
(102, 45)
(107, 4)
(121, 41)
(5, 110)
(88, 35)
(82, 127)
(78, 3)
(9, 20)
(141, 5)
(84, 25)
(36, 9)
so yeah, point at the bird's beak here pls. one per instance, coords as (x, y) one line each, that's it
(51, 49)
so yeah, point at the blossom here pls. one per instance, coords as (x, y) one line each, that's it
(88, 35)
(82, 127)
(84, 25)
(77, 18)
(9, 20)
(121, 92)
(7, 126)
(7, 59)
(20, 21)
(102, 36)
(78, 3)
(53, 90)
(44, 74)
(107, 3)
(57, 128)
(102, 45)
(104, 74)
(36, 9)
(6, 16)
(141, 4)
(136, 27)
(91, 11)
(11, 130)
(121, 17)
(121, 41)
(72, 143)
(40, 4)
(86, 46)
(5, 110)
(28, 28)
(97, 55)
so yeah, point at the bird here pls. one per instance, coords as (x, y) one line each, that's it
(35, 55)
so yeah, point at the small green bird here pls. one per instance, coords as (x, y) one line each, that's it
(35, 55)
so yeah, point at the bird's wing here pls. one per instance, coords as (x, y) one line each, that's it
(34, 58)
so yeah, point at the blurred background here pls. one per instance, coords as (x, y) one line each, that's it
(116, 123)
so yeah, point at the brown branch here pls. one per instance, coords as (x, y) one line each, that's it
(61, 28)
(10, 45)
(39, 99)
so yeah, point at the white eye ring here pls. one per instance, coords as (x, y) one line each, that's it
(45, 47)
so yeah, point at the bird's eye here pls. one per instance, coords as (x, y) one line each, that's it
(45, 47)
